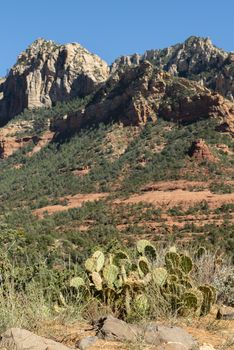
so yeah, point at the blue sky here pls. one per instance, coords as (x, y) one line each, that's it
(111, 28)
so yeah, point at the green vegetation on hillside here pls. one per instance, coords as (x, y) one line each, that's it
(119, 161)
(159, 152)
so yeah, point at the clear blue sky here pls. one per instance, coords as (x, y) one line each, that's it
(112, 28)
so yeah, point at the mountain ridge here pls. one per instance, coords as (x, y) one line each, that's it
(47, 73)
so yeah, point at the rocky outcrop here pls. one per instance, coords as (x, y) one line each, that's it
(144, 93)
(200, 151)
(47, 73)
(2, 81)
(196, 59)
(139, 88)
(130, 100)
(17, 135)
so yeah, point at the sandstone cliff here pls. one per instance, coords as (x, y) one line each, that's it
(144, 93)
(47, 73)
(196, 59)
(2, 81)
(135, 89)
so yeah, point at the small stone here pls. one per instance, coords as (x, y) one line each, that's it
(225, 313)
(86, 342)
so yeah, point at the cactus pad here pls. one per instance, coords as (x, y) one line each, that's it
(96, 262)
(97, 280)
(186, 264)
(159, 275)
(143, 266)
(172, 260)
(200, 252)
(141, 303)
(208, 296)
(110, 274)
(192, 299)
(144, 247)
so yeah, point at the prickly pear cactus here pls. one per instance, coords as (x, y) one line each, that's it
(96, 262)
(97, 280)
(143, 266)
(122, 280)
(186, 264)
(172, 260)
(192, 301)
(110, 274)
(147, 249)
(200, 252)
(208, 298)
(159, 276)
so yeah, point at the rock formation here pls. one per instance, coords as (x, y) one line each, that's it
(16, 135)
(196, 59)
(200, 151)
(172, 83)
(47, 73)
(143, 93)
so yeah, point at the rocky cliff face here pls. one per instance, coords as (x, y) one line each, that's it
(144, 93)
(197, 59)
(2, 80)
(183, 82)
(47, 73)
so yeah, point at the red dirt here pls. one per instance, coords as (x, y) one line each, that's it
(72, 202)
(184, 198)
(175, 185)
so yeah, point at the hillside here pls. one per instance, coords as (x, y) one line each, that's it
(134, 135)
(97, 156)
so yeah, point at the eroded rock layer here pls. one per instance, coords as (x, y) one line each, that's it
(144, 93)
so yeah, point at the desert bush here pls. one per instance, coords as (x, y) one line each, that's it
(218, 270)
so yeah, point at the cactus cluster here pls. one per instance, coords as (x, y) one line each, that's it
(179, 287)
(121, 282)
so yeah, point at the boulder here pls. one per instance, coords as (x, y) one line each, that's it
(21, 339)
(225, 313)
(163, 337)
(86, 342)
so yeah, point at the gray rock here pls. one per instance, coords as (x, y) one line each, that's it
(111, 328)
(86, 342)
(172, 346)
(21, 339)
(225, 313)
(168, 338)
(176, 335)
